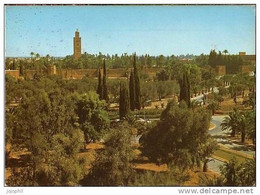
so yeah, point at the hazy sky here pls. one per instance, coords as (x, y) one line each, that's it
(153, 30)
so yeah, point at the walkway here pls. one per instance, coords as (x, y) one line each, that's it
(221, 138)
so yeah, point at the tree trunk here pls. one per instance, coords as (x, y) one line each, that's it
(205, 166)
(235, 99)
(243, 135)
(233, 133)
(160, 98)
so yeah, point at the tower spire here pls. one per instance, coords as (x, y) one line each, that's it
(77, 45)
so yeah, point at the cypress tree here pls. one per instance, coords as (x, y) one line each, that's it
(13, 67)
(105, 92)
(185, 89)
(123, 102)
(127, 104)
(21, 68)
(132, 91)
(137, 86)
(99, 88)
(212, 61)
(120, 102)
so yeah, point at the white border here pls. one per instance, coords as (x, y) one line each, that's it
(104, 190)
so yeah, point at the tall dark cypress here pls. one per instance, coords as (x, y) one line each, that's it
(120, 102)
(185, 89)
(99, 88)
(13, 66)
(123, 102)
(188, 90)
(132, 91)
(105, 92)
(137, 86)
(126, 102)
(21, 68)
(212, 61)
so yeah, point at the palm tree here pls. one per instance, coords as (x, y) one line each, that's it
(47, 60)
(213, 106)
(225, 52)
(231, 122)
(240, 122)
(37, 56)
(249, 125)
(48, 57)
(32, 54)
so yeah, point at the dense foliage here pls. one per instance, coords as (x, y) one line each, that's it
(180, 137)
(124, 106)
(52, 119)
(241, 122)
(50, 122)
(239, 174)
(112, 166)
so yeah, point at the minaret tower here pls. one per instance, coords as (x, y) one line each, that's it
(77, 46)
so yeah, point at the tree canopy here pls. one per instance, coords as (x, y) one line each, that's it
(179, 137)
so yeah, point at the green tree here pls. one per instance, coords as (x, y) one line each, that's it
(40, 117)
(240, 122)
(163, 75)
(113, 86)
(165, 88)
(225, 52)
(148, 93)
(124, 106)
(185, 89)
(52, 164)
(32, 54)
(213, 106)
(137, 85)
(239, 174)
(14, 65)
(222, 91)
(105, 91)
(229, 171)
(251, 125)
(37, 55)
(56, 170)
(212, 58)
(92, 116)
(207, 149)
(220, 60)
(21, 69)
(132, 91)
(45, 113)
(247, 125)
(112, 166)
(250, 100)
(11, 88)
(100, 88)
(195, 76)
(178, 137)
(231, 122)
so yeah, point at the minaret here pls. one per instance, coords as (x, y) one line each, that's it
(77, 45)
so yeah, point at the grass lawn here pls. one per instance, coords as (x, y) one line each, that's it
(226, 155)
